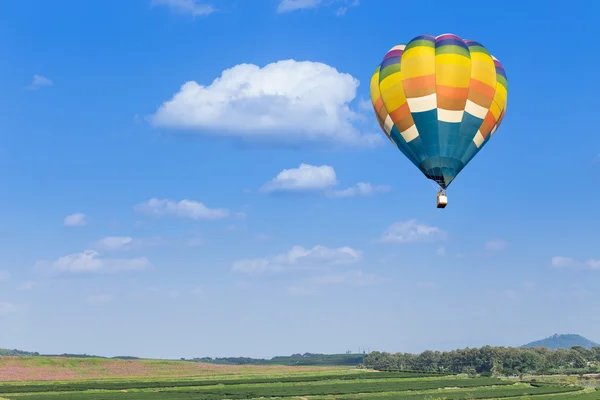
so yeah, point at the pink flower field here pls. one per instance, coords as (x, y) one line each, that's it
(60, 368)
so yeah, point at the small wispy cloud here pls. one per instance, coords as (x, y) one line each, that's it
(561, 262)
(496, 245)
(100, 299)
(411, 231)
(39, 82)
(4, 275)
(27, 285)
(91, 262)
(315, 284)
(286, 6)
(299, 258)
(7, 307)
(343, 9)
(511, 295)
(295, 5)
(115, 243)
(192, 7)
(77, 219)
(188, 209)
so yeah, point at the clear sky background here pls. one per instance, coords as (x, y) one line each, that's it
(181, 180)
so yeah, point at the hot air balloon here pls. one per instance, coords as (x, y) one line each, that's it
(439, 100)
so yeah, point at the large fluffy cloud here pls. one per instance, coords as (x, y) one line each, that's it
(299, 257)
(320, 179)
(286, 101)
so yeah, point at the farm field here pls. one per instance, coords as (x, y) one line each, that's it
(288, 383)
(64, 368)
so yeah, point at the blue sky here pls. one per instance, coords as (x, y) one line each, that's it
(183, 179)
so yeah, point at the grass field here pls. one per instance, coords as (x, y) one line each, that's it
(61, 379)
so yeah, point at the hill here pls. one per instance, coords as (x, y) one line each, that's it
(565, 341)
(306, 359)
(16, 353)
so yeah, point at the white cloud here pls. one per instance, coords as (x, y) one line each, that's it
(77, 219)
(496, 245)
(99, 299)
(115, 243)
(286, 6)
(562, 262)
(294, 5)
(183, 209)
(196, 241)
(440, 251)
(286, 101)
(365, 105)
(298, 258)
(593, 264)
(511, 295)
(4, 275)
(304, 178)
(360, 189)
(321, 179)
(192, 7)
(38, 82)
(7, 307)
(243, 285)
(343, 9)
(27, 285)
(530, 286)
(355, 278)
(411, 231)
(568, 262)
(262, 236)
(90, 262)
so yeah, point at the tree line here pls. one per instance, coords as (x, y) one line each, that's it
(490, 360)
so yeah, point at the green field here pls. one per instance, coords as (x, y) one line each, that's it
(308, 385)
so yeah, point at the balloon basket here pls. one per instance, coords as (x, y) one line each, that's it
(442, 199)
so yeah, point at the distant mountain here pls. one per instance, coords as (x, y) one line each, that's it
(565, 341)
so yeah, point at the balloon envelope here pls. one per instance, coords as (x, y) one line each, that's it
(439, 100)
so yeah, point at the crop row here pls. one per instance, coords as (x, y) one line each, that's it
(478, 393)
(120, 385)
(300, 389)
